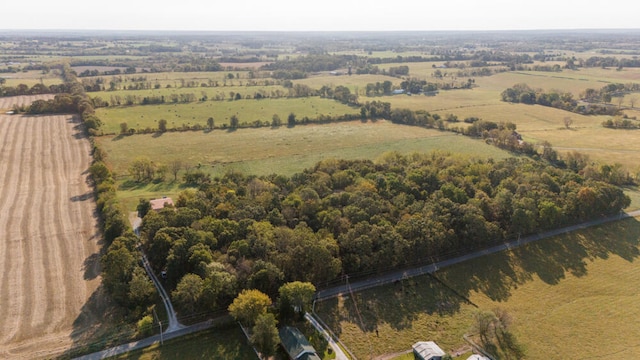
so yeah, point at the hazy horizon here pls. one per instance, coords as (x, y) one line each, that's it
(329, 15)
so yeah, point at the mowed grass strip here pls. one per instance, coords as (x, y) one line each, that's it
(227, 343)
(147, 116)
(567, 295)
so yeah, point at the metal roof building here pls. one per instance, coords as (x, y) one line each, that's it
(296, 345)
(427, 350)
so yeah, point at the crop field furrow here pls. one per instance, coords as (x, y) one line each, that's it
(68, 235)
(51, 259)
(35, 238)
(12, 289)
(45, 235)
(6, 127)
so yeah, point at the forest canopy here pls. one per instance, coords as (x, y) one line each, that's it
(359, 217)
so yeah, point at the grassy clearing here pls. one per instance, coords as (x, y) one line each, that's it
(211, 92)
(227, 343)
(283, 150)
(141, 117)
(353, 82)
(565, 294)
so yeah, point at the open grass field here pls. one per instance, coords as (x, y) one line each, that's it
(141, 117)
(211, 92)
(354, 82)
(573, 296)
(49, 238)
(210, 344)
(31, 78)
(284, 150)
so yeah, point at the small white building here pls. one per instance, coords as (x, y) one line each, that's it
(427, 350)
(477, 357)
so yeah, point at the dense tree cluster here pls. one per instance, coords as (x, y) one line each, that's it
(621, 123)
(523, 93)
(356, 217)
(36, 89)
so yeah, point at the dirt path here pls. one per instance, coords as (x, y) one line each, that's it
(47, 234)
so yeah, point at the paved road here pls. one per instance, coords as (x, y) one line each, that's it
(174, 324)
(431, 268)
(141, 344)
(361, 285)
(340, 355)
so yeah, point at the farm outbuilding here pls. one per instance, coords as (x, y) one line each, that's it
(296, 344)
(159, 204)
(427, 350)
(477, 357)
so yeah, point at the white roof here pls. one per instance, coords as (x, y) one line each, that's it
(477, 357)
(427, 349)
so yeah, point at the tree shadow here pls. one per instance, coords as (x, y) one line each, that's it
(84, 197)
(550, 260)
(496, 276)
(91, 266)
(96, 328)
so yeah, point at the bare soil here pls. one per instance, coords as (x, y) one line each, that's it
(49, 240)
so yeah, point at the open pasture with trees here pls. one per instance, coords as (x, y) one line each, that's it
(262, 199)
(562, 295)
(283, 151)
(197, 113)
(50, 239)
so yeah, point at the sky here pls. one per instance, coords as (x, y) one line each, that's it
(326, 15)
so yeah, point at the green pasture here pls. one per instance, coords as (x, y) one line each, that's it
(141, 117)
(570, 297)
(227, 343)
(353, 82)
(30, 78)
(224, 92)
(265, 151)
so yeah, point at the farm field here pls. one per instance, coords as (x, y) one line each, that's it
(210, 344)
(49, 236)
(141, 117)
(283, 150)
(565, 294)
(7, 103)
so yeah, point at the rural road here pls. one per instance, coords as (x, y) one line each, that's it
(141, 344)
(359, 286)
(431, 268)
(174, 324)
(340, 355)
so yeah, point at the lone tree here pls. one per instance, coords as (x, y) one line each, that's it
(275, 121)
(264, 335)
(124, 128)
(162, 125)
(234, 122)
(248, 306)
(567, 121)
(291, 120)
(296, 294)
(175, 167)
(210, 123)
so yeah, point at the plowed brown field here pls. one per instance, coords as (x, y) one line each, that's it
(48, 235)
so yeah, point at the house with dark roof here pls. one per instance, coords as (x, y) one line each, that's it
(296, 344)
